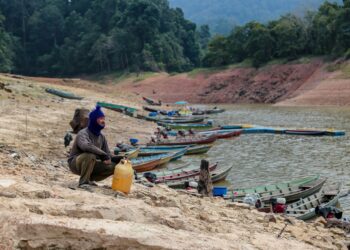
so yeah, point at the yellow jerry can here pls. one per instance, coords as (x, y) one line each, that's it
(123, 176)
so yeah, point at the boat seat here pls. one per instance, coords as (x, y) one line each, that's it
(331, 193)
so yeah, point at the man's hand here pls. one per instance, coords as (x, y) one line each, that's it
(107, 162)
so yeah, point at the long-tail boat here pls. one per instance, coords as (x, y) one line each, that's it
(185, 141)
(117, 107)
(171, 120)
(216, 176)
(199, 149)
(291, 193)
(187, 126)
(182, 174)
(305, 132)
(191, 150)
(152, 102)
(304, 209)
(142, 164)
(221, 134)
(63, 94)
(291, 190)
(130, 154)
(213, 111)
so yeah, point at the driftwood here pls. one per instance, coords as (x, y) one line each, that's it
(205, 186)
(339, 224)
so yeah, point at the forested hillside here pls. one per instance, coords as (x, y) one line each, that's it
(67, 37)
(222, 15)
(72, 37)
(325, 32)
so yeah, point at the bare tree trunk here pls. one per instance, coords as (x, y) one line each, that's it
(205, 186)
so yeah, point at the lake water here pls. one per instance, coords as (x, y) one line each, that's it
(270, 158)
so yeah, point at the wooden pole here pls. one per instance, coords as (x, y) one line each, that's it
(205, 186)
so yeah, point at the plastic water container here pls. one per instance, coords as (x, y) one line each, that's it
(219, 191)
(123, 176)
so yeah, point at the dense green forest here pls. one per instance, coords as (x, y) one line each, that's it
(324, 32)
(67, 37)
(222, 15)
(72, 37)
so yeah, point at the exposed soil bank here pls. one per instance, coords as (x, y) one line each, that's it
(289, 84)
(40, 207)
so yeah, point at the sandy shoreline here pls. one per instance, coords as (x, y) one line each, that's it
(40, 210)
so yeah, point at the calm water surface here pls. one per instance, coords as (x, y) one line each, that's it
(269, 158)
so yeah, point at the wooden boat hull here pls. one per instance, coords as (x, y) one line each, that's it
(214, 111)
(305, 132)
(216, 176)
(130, 154)
(182, 121)
(165, 160)
(171, 121)
(148, 163)
(154, 152)
(166, 147)
(63, 94)
(241, 193)
(307, 190)
(151, 102)
(304, 209)
(294, 193)
(229, 134)
(182, 174)
(201, 149)
(186, 126)
(147, 166)
(191, 150)
(178, 152)
(118, 108)
(207, 140)
(172, 171)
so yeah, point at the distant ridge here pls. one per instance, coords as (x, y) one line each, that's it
(222, 15)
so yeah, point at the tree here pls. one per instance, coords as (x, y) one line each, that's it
(218, 53)
(260, 44)
(204, 36)
(6, 53)
(290, 35)
(342, 24)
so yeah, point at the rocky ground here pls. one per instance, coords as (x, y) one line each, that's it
(41, 207)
